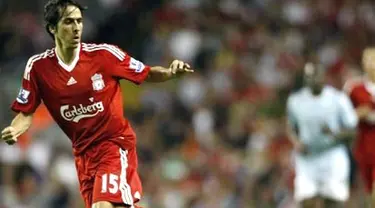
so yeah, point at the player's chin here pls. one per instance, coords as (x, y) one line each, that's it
(74, 43)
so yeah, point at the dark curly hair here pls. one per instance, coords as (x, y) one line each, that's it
(53, 11)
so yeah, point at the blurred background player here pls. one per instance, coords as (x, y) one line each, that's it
(319, 117)
(79, 85)
(362, 92)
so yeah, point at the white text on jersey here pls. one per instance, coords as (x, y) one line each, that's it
(76, 113)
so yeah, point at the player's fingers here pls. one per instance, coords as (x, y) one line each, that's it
(6, 137)
(8, 134)
(189, 70)
(11, 141)
(174, 69)
(186, 66)
(181, 65)
(174, 66)
(7, 130)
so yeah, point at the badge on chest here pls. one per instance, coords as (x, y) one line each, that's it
(97, 82)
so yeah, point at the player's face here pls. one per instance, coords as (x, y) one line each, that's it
(314, 77)
(368, 61)
(69, 28)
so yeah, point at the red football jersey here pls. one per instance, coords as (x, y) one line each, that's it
(84, 98)
(362, 92)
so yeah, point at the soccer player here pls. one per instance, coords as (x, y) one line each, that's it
(319, 117)
(79, 85)
(362, 95)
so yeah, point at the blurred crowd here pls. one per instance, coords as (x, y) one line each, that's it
(212, 139)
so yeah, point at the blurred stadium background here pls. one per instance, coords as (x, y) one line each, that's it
(213, 139)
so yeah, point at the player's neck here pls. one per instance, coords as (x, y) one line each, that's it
(316, 91)
(66, 54)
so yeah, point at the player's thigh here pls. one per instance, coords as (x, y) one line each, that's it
(329, 203)
(336, 177)
(338, 163)
(305, 184)
(117, 180)
(310, 203)
(104, 204)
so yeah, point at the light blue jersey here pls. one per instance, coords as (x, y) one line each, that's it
(309, 114)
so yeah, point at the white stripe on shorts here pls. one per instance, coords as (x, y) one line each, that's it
(125, 189)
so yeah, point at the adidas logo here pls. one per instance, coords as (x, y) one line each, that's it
(71, 81)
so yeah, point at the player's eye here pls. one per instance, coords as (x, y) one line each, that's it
(68, 21)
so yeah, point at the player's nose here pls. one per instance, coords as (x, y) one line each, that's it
(76, 31)
(76, 27)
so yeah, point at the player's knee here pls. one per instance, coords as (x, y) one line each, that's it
(103, 204)
(308, 203)
(328, 203)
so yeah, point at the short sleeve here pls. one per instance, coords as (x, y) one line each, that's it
(28, 98)
(348, 116)
(123, 66)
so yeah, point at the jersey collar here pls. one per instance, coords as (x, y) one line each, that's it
(71, 66)
(309, 92)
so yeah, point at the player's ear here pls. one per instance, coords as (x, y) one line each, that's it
(52, 29)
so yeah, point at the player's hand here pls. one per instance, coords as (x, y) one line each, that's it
(180, 67)
(327, 130)
(300, 147)
(9, 135)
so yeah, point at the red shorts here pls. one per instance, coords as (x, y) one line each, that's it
(108, 173)
(367, 171)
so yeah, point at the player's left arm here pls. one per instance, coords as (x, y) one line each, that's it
(27, 101)
(121, 65)
(161, 74)
(348, 118)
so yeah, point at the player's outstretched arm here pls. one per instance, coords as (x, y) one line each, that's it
(161, 74)
(19, 125)
(344, 134)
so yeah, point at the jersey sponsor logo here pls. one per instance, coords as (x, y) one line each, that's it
(136, 65)
(97, 82)
(23, 96)
(76, 113)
